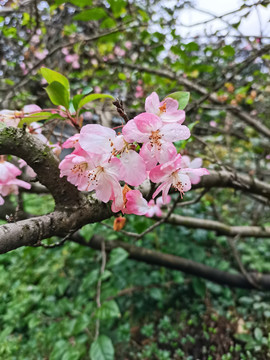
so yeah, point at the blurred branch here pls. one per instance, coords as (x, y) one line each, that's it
(192, 85)
(178, 263)
(219, 227)
(234, 180)
(81, 39)
(240, 264)
(220, 17)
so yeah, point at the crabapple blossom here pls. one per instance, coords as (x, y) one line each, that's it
(157, 138)
(194, 164)
(130, 202)
(155, 207)
(97, 139)
(175, 174)
(167, 109)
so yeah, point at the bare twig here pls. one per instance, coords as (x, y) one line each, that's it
(240, 264)
(102, 269)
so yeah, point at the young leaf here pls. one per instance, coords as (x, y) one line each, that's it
(92, 97)
(102, 349)
(58, 94)
(51, 76)
(182, 97)
(76, 100)
(34, 117)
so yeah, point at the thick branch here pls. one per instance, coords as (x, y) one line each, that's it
(237, 181)
(219, 227)
(40, 157)
(179, 263)
(59, 223)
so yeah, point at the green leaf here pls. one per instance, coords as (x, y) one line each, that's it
(102, 349)
(34, 117)
(93, 97)
(199, 286)
(228, 50)
(76, 100)
(117, 256)
(258, 334)
(58, 94)
(182, 97)
(52, 76)
(87, 90)
(91, 14)
(108, 310)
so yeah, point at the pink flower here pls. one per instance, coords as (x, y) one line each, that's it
(135, 204)
(157, 138)
(97, 139)
(10, 118)
(31, 109)
(128, 45)
(167, 109)
(119, 52)
(72, 142)
(196, 163)
(23, 68)
(103, 177)
(129, 202)
(73, 59)
(155, 207)
(8, 181)
(28, 170)
(139, 92)
(213, 123)
(173, 173)
(97, 89)
(41, 54)
(65, 51)
(75, 167)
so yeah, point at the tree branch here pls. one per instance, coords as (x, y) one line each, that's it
(223, 178)
(179, 263)
(219, 227)
(192, 85)
(40, 157)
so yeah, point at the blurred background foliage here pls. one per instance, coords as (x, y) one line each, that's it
(129, 49)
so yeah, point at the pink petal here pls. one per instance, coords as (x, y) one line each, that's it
(175, 132)
(186, 161)
(131, 133)
(152, 103)
(148, 154)
(146, 122)
(28, 109)
(196, 163)
(171, 105)
(136, 204)
(184, 179)
(96, 139)
(176, 116)
(167, 153)
(134, 168)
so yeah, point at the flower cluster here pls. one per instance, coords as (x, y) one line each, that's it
(102, 160)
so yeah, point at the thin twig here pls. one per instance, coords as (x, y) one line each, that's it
(102, 269)
(240, 264)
